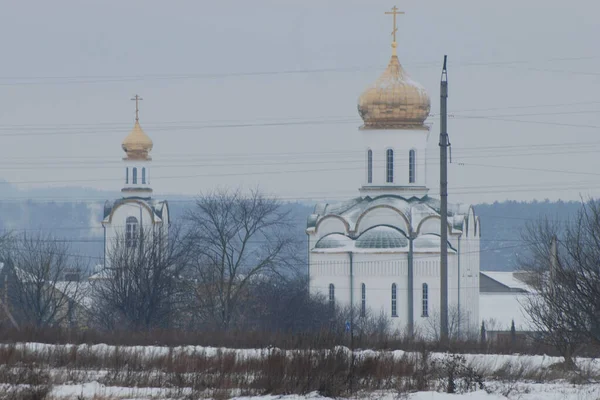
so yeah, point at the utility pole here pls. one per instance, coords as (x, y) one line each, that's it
(444, 144)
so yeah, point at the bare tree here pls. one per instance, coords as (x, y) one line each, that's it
(142, 285)
(36, 290)
(563, 268)
(237, 239)
(458, 325)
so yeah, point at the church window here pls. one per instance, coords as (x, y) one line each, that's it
(131, 232)
(425, 300)
(389, 170)
(411, 166)
(394, 296)
(331, 295)
(143, 176)
(363, 300)
(126, 175)
(134, 176)
(370, 166)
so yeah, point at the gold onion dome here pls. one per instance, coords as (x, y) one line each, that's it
(394, 100)
(137, 144)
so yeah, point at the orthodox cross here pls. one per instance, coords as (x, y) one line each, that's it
(137, 99)
(394, 12)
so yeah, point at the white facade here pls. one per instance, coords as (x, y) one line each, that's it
(372, 239)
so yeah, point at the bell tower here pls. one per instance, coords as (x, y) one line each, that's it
(137, 146)
(394, 110)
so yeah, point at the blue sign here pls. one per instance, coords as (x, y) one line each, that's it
(347, 326)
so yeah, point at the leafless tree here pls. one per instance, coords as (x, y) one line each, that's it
(237, 239)
(458, 325)
(36, 291)
(141, 287)
(564, 269)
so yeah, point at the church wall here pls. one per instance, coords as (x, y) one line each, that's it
(330, 268)
(378, 271)
(116, 228)
(401, 141)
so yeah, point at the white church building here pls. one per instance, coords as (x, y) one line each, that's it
(381, 251)
(137, 211)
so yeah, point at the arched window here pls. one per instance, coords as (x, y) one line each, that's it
(134, 177)
(411, 166)
(389, 163)
(131, 231)
(126, 175)
(143, 176)
(425, 300)
(363, 300)
(394, 296)
(331, 295)
(370, 166)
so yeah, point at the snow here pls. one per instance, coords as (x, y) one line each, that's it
(522, 390)
(508, 279)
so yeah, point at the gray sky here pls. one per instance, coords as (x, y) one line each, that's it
(69, 68)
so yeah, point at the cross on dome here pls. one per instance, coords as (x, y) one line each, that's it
(137, 99)
(394, 12)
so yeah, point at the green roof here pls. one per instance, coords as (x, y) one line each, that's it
(382, 237)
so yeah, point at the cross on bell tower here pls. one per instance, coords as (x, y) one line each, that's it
(394, 12)
(137, 99)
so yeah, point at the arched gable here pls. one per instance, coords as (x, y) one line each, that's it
(332, 224)
(431, 224)
(131, 201)
(382, 214)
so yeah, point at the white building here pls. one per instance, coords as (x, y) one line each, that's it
(381, 250)
(136, 211)
(511, 290)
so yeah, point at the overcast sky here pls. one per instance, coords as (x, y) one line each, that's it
(264, 92)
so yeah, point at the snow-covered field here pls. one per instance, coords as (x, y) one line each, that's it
(505, 376)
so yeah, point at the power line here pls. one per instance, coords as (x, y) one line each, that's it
(87, 79)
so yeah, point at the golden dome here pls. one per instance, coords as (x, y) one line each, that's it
(395, 101)
(137, 144)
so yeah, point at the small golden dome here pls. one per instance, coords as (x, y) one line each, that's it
(137, 144)
(395, 101)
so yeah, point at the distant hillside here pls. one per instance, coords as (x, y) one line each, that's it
(502, 224)
(79, 220)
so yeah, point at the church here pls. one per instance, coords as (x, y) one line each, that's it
(137, 211)
(380, 252)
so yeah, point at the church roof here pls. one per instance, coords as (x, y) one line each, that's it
(394, 101)
(414, 209)
(382, 237)
(157, 207)
(137, 144)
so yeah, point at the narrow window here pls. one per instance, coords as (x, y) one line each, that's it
(363, 302)
(131, 231)
(425, 300)
(370, 166)
(394, 294)
(134, 177)
(127, 175)
(389, 173)
(143, 176)
(411, 166)
(331, 295)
